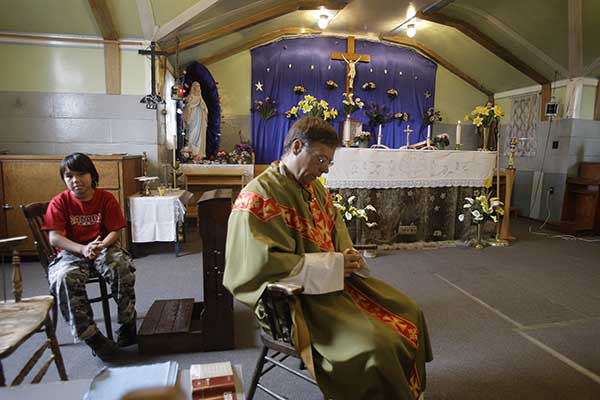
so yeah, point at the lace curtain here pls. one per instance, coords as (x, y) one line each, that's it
(524, 118)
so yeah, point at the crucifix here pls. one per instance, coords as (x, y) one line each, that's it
(152, 99)
(351, 58)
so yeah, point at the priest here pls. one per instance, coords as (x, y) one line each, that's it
(359, 337)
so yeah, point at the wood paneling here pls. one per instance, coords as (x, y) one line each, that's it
(34, 178)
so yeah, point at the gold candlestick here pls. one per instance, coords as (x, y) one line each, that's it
(497, 241)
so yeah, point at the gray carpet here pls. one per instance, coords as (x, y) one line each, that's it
(506, 323)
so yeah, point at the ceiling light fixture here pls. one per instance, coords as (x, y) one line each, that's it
(323, 21)
(411, 30)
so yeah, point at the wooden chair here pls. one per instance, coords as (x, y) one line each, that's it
(34, 214)
(21, 318)
(279, 341)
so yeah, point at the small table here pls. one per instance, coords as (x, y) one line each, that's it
(157, 218)
(198, 178)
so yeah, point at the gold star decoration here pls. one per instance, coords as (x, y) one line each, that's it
(259, 86)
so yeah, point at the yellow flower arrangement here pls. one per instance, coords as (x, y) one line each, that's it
(316, 108)
(485, 115)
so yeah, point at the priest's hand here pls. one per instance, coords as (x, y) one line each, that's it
(352, 261)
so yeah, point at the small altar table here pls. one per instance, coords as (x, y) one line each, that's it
(198, 178)
(418, 194)
(157, 218)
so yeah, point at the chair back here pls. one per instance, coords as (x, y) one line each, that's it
(35, 214)
(276, 301)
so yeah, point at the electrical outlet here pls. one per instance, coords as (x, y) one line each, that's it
(551, 190)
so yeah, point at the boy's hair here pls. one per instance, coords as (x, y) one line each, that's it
(310, 130)
(79, 162)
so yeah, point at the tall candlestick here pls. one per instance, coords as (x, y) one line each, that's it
(458, 135)
(174, 161)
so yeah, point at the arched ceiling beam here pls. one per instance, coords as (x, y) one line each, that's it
(487, 42)
(147, 21)
(267, 38)
(104, 19)
(182, 19)
(282, 8)
(438, 59)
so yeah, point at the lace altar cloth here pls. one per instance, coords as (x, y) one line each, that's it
(391, 168)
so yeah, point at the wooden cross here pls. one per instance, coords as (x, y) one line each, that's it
(350, 58)
(152, 99)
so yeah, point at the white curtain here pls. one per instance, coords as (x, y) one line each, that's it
(524, 117)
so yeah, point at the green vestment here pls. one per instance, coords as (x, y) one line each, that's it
(369, 341)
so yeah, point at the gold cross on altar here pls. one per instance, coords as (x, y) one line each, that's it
(351, 58)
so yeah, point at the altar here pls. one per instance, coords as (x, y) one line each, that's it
(418, 194)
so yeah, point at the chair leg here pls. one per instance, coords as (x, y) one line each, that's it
(257, 372)
(105, 307)
(55, 314)
(58, 360)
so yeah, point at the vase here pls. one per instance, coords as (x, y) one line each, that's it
(486, 137)
(478, 242)
(363, 144)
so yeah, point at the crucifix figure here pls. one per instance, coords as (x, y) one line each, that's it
(351, 58)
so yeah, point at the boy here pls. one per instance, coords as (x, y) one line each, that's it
(84, 224)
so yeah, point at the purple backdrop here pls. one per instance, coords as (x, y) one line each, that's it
(307, 62)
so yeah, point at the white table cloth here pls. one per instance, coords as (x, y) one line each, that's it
(154, 218)
(383, 168)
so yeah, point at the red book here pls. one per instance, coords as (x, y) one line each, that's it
(212, 381)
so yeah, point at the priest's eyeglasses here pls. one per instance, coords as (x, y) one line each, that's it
(324, 161)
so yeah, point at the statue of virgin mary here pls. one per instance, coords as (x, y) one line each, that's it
(195, 116)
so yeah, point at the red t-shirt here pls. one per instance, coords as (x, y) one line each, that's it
(83, 221)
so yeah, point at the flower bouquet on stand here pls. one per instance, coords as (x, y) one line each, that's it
(483, 208)
(353, 214)
(351, 104)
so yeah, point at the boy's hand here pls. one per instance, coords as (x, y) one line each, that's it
(92, 250)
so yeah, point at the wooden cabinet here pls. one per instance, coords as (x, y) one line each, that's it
(31, 178)
(581, 204)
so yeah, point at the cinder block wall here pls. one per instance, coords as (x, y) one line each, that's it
(61, 123)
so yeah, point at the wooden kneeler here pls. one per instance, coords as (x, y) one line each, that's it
(184, 325)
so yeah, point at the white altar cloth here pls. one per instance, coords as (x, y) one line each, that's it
(154, 218)
(390, 168)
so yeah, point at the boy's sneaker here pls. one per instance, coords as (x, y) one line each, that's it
(127, 334)
(106, 349)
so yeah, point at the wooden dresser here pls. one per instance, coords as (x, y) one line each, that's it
(31, 178)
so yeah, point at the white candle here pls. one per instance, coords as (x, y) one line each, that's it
(347, 136)
(458, 131)
(429, 132)
(379, 130)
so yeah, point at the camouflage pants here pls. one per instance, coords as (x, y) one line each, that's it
(67, 276)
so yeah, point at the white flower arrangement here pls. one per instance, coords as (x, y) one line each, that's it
(349, 210)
